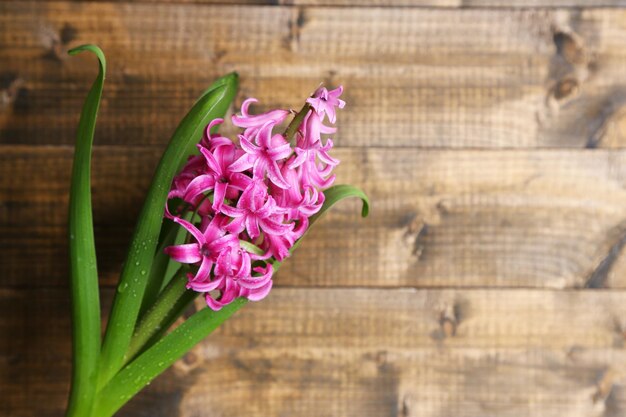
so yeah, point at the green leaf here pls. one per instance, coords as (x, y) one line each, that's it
(83, 268)
(147, 366)
(124, 312)
(336, 193)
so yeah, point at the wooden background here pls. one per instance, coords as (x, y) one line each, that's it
(490, 279)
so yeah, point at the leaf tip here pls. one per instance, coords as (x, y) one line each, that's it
(91, 48)
(365, 210)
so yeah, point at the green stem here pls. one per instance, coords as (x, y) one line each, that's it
(156, 359)
(296, 122)
(172, 302)
(83, 269)
(159, 266)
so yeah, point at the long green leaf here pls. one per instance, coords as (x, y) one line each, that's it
(83, 268)
(130, 380)
(133, 280)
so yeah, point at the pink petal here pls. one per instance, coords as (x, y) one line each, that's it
(273, 227)
(237, 225)
(231, 211)
(223, 243)
(191, 229)
(327, 130)
(253, 283)
(260, 293)
(204, 271)
(280, 152)
(197, 186)
(327, 159)
(252, 227)
(301, 157)
(239, 181)
(219, 193)
(248, 146)
(212, 163)
(205, 286)
(186, 254)
(274, 174)
(228, 295)
(244, 162)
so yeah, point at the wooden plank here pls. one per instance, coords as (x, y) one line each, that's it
(525, 78)
(546, 219)
(320, 352)
(496, 4)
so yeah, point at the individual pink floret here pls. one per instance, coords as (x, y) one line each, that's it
(264, 156)
(324, 102)
(256, 212)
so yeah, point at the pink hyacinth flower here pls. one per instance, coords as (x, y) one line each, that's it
(300, 200)
(256, 212)
(278, 246)
(219, 178)
(263, 157)
(253, 122)
(325, 102)
(309, 150)
(195, 166)
(229, 290)
(206, 249)
(259, 286)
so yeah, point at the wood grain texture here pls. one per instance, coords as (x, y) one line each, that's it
(523, 79)
(490, 279)
(495, 4)
(369, 353)
(554, 219)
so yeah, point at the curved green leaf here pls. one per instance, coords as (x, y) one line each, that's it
(124, 312)
(336, 193)
(83, 269)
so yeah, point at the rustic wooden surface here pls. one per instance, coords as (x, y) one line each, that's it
(490, 279)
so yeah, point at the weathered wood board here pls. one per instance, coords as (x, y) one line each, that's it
(495, 4)
(357, 352)
(514, 218)
(523, 79)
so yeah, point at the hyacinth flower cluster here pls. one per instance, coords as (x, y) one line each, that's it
(246, 203)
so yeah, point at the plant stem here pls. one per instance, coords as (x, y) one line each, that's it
(159, 265)
(156, 359)
(296, 122)
(170, 304)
